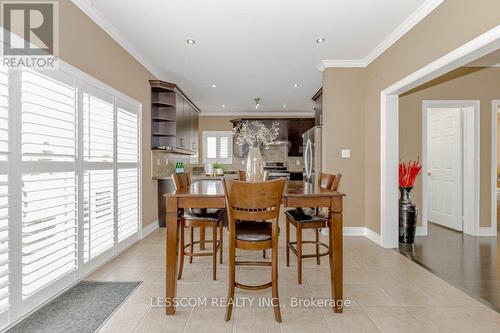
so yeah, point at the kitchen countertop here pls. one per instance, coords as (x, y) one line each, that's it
(198, 177)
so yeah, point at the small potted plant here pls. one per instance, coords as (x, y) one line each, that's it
(408, 211)
(218, 169)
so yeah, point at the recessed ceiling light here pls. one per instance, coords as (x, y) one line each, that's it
(223, 105)
(214, 86)
(284, 106)
(190, 41)
(295, 85)
(320, 40)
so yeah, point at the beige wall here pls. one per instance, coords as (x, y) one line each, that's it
(87, 47)
(481, 84)
(449, 26)
(343, 112)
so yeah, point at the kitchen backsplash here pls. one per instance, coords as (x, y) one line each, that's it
(163, 163)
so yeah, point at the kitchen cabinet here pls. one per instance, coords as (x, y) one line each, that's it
(174, 119)
(291, 130)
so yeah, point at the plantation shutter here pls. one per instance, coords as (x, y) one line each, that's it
(128, 171)
(218, 146)
(4, 194)
(49, 219)
(98, 148)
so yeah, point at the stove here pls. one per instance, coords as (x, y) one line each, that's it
(276, 169)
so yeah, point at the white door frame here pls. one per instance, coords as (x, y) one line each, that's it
(495, 104)
(389, 136)
(470, 163)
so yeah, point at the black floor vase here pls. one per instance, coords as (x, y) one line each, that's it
(407, 217)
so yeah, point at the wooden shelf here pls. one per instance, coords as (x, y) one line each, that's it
(162, 134)
(163, 119)
(162, 103)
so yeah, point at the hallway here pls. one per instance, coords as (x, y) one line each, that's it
(469, 263)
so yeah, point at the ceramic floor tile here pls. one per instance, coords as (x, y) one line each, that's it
(352, 320)
(155, 321)
(370, 295)
(394, 320)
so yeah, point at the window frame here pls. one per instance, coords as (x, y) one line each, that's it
(218, 135)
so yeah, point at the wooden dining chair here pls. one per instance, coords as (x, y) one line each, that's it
(309, 218)
(198, 218)
(250, 205)
(242, 175)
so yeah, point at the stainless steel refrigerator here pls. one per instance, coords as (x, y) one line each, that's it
(312, 154)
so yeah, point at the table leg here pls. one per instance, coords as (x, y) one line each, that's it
(336, 252)
(171, 256)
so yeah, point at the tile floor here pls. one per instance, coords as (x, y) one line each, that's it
(388, 292)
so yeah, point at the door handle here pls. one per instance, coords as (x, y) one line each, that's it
(429, 174)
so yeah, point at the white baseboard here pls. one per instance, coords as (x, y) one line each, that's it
(373, 236)
(354, 231)
(485, 231)
(150, 228)
(420, 231)
(358, 231)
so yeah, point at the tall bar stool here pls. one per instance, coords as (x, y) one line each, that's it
(249, 206)
(242, 175)
(308, 218)
(199, 218)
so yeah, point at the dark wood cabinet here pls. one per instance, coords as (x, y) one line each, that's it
(291, 130)
(174, 119)
(318, 107)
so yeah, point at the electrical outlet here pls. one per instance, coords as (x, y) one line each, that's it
(345, 153)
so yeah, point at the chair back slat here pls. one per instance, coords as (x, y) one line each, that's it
(181, 180)
(326, 180)
(253, 201)
(336, 182)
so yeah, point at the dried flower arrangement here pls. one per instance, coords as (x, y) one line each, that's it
(408, 173)
(255, 133)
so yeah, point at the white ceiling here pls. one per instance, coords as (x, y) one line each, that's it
(253, 48)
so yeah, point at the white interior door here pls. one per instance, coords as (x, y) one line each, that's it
(445, 166)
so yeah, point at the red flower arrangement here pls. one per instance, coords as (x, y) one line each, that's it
(408, 173)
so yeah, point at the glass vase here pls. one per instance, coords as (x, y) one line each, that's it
(255, 165)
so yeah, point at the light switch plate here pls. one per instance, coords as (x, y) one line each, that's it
(345, 153)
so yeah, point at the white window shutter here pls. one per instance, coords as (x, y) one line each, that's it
(49, 219)
(48, 229)
(128, 203)
(98, 225)
(127, 173)
(98, 120)
(48, 118)
(4, 193)
(218, 147)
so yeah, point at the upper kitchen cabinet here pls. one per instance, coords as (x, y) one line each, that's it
(318, 107)
(174, 119)
(290, 129)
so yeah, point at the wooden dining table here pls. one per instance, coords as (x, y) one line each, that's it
(210, 194)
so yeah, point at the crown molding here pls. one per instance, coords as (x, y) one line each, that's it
(425, 9)
(340, 64)
(88, 8)
(258, 113)
(411, 21)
